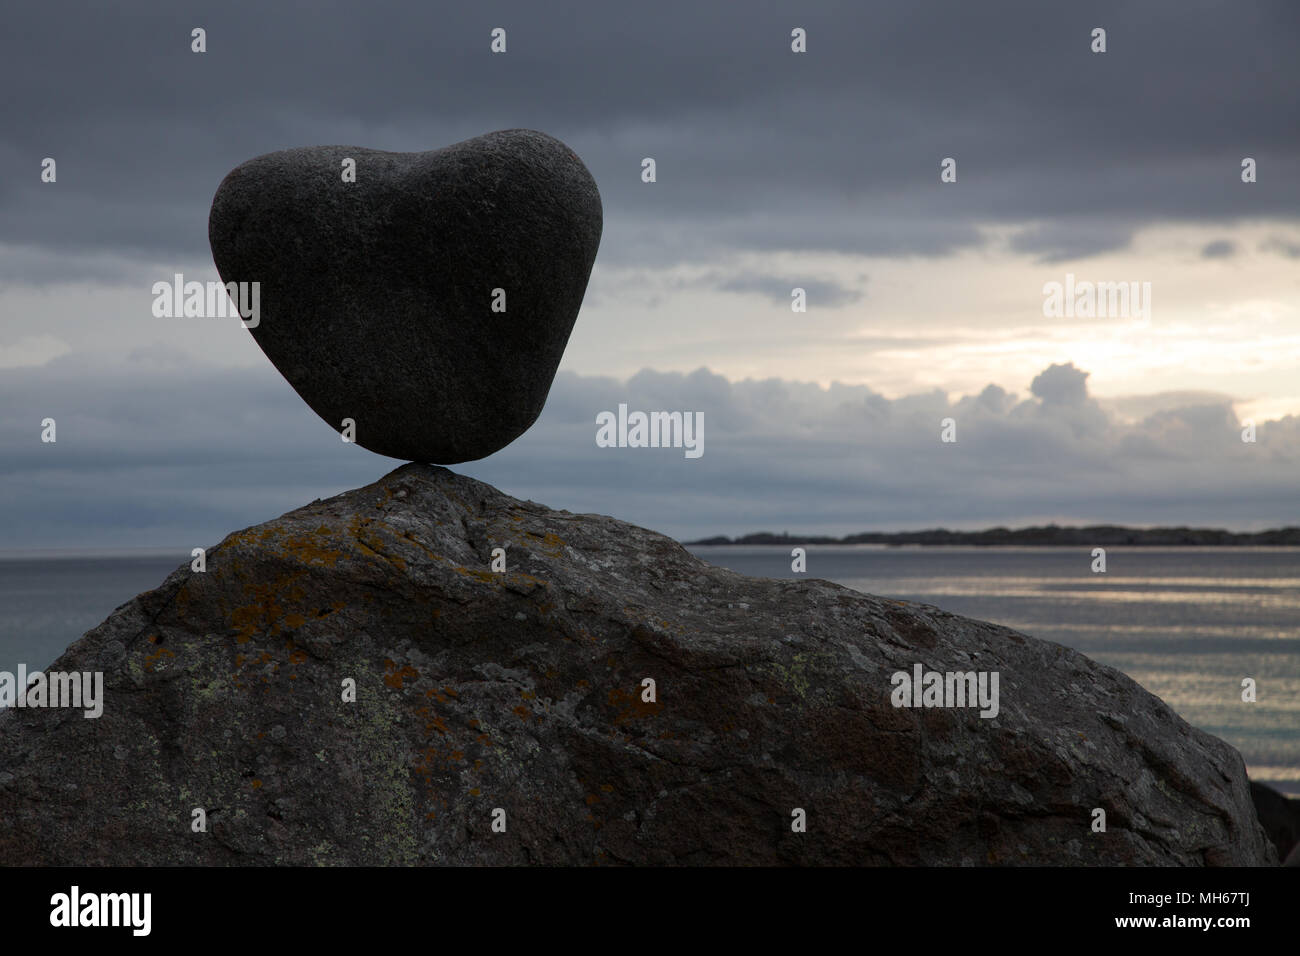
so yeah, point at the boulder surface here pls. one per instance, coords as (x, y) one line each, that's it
(518, 697)
(1279, 815)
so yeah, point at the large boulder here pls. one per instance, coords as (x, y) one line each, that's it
(519, 697)
(1279, 815)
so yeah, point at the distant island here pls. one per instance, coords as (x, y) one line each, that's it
(1106, 535)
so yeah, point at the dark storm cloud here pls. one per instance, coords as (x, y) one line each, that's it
(825, 292)
(1072, 239)
(757, 147)
(1219, 249)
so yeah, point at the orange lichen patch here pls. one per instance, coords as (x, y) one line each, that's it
(157, 655)
(522, 712)
(606, 788)
(294, 621)
(475, 792)
(527, 694)
(456, 755)
(592, 798)
(408, 536)
(551, 542)
(449, 692)
(253, 539)
(422, 765)
(438, 724)
(311, 548)
(266, 612)
(630, 705)
(486, 577)
(257, 785)
(474, 724)
(395, 675)
(430, 815)
(372, 543)
(484, 739)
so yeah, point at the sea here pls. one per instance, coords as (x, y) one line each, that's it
(1186, 623)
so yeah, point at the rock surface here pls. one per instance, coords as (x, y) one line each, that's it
(376, 296)
(522, 690)
(1279, 815)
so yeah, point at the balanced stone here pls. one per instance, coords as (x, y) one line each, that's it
(426, 297)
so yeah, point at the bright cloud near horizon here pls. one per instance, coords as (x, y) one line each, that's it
(775, 170)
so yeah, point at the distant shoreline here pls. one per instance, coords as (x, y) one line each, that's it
(1046, 536)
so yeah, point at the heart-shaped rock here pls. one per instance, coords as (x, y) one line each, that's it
(429, 300)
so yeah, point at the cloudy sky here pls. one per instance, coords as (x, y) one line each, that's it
(775, 169)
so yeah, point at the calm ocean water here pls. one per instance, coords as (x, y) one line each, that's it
(1186, 623)
(46, 603)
